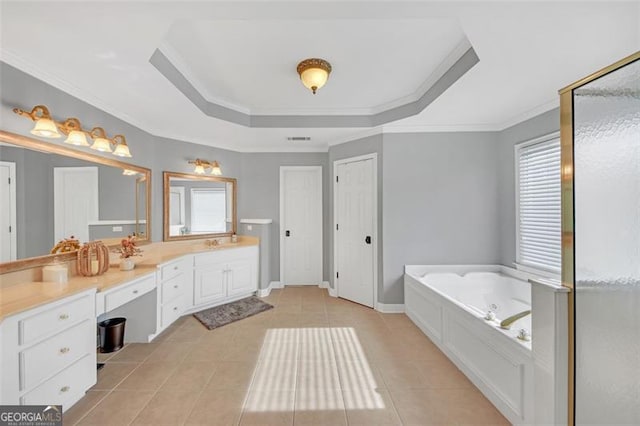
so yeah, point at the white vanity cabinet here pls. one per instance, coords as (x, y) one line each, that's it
(225, 275)
(174, 290)
(49, 353)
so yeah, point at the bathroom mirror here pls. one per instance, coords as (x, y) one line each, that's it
(57, 192)
(198, 206)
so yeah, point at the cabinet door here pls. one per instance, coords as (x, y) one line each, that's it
(242, 276)
(209, 283)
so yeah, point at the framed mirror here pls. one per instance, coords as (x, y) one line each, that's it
(197, 206)
(57, 192)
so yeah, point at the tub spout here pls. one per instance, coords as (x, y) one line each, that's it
(506, 323)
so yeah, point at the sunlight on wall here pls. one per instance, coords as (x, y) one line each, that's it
(315, 363)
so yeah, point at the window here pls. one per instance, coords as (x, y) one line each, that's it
(208, 210)
(538, 204)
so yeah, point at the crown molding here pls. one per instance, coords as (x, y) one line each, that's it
(529, 114)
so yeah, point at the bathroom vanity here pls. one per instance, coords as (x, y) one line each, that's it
(48, 330)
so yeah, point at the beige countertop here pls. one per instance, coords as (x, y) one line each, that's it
(27, 295)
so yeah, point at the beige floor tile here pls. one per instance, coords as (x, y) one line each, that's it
(421, 407)
(275, 374)
(321, 374)
(82, 407)
(469, 406)
(268, 408)
(359, 375)
(148, 376)
(134, 352)
(231, 375)
(189, 377)
(319, 407)
(443, 375)
(112, 374)
(370, 407)
(167, 408)
(405, 376)
(104, 357)
(173, 351)
(208, 350)
(118, 408)
(217, 407)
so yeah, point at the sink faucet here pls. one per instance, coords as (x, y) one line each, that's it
(211, 243)
(506, 323)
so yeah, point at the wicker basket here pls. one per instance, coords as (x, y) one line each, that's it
(93, 259)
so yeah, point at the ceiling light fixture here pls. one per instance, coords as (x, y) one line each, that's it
(47, 127)
(314, 73)
(201, 167)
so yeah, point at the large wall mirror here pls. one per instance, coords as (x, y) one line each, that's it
(197, 206)
(57, 192)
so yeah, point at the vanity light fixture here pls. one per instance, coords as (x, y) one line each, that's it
(201, 167)
(49, 128)
(314, 73)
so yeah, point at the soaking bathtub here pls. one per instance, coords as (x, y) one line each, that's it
(450, 303)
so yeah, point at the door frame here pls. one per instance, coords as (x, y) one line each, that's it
(371, 156)
(13, 237)
(283, 169)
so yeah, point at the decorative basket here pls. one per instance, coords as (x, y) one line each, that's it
(93, 259)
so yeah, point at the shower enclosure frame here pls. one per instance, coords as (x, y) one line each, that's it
(567, 202)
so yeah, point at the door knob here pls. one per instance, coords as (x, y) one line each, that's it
(367, 239)
(287, 233)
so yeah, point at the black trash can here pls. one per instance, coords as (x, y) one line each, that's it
(111, 334)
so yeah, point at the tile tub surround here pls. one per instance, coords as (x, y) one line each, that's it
(313, 359)
(23, 290)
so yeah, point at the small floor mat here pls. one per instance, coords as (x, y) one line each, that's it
(226, 314)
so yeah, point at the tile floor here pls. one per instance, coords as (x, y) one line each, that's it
(313, 360)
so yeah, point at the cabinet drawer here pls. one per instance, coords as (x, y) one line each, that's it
(56, 353)
(172, 311)
(173, 269)
(65, 386)
(173, 288)
(119, 297)
(55, 319)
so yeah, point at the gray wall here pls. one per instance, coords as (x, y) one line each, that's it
(540, 125)
(259, 196)
(440, 203)
(351, 149)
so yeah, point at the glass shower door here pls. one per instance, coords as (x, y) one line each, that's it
(606, 179)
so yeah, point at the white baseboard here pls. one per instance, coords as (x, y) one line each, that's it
(333, 292)
(275, 284)
(264, 292)
(390, 308)
(324, 284)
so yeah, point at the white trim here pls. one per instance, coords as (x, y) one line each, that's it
(324, 284)
(13, 236)
(317, 169)
(114, 222)
(529, 114)
(516, 149)
(333, 292)
(275, 284)
(263, 292)
(257, 221)
(390, 308)
(371, 156)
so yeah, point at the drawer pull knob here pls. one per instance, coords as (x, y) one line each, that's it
(175, 286)
(64, 350)
(175, 268)
(65, 389)
(64, 316)
(135, 291)
(175, 308)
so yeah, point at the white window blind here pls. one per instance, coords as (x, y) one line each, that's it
(208, 210)
(538, 204)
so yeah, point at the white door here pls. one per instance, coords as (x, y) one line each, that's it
(8, 246)
(355, 215)
(301, 225)
(75, 200)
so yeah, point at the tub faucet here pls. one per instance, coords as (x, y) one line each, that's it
(211, 243)
(506, 323)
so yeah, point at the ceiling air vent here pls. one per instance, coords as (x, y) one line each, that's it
(298, 138)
